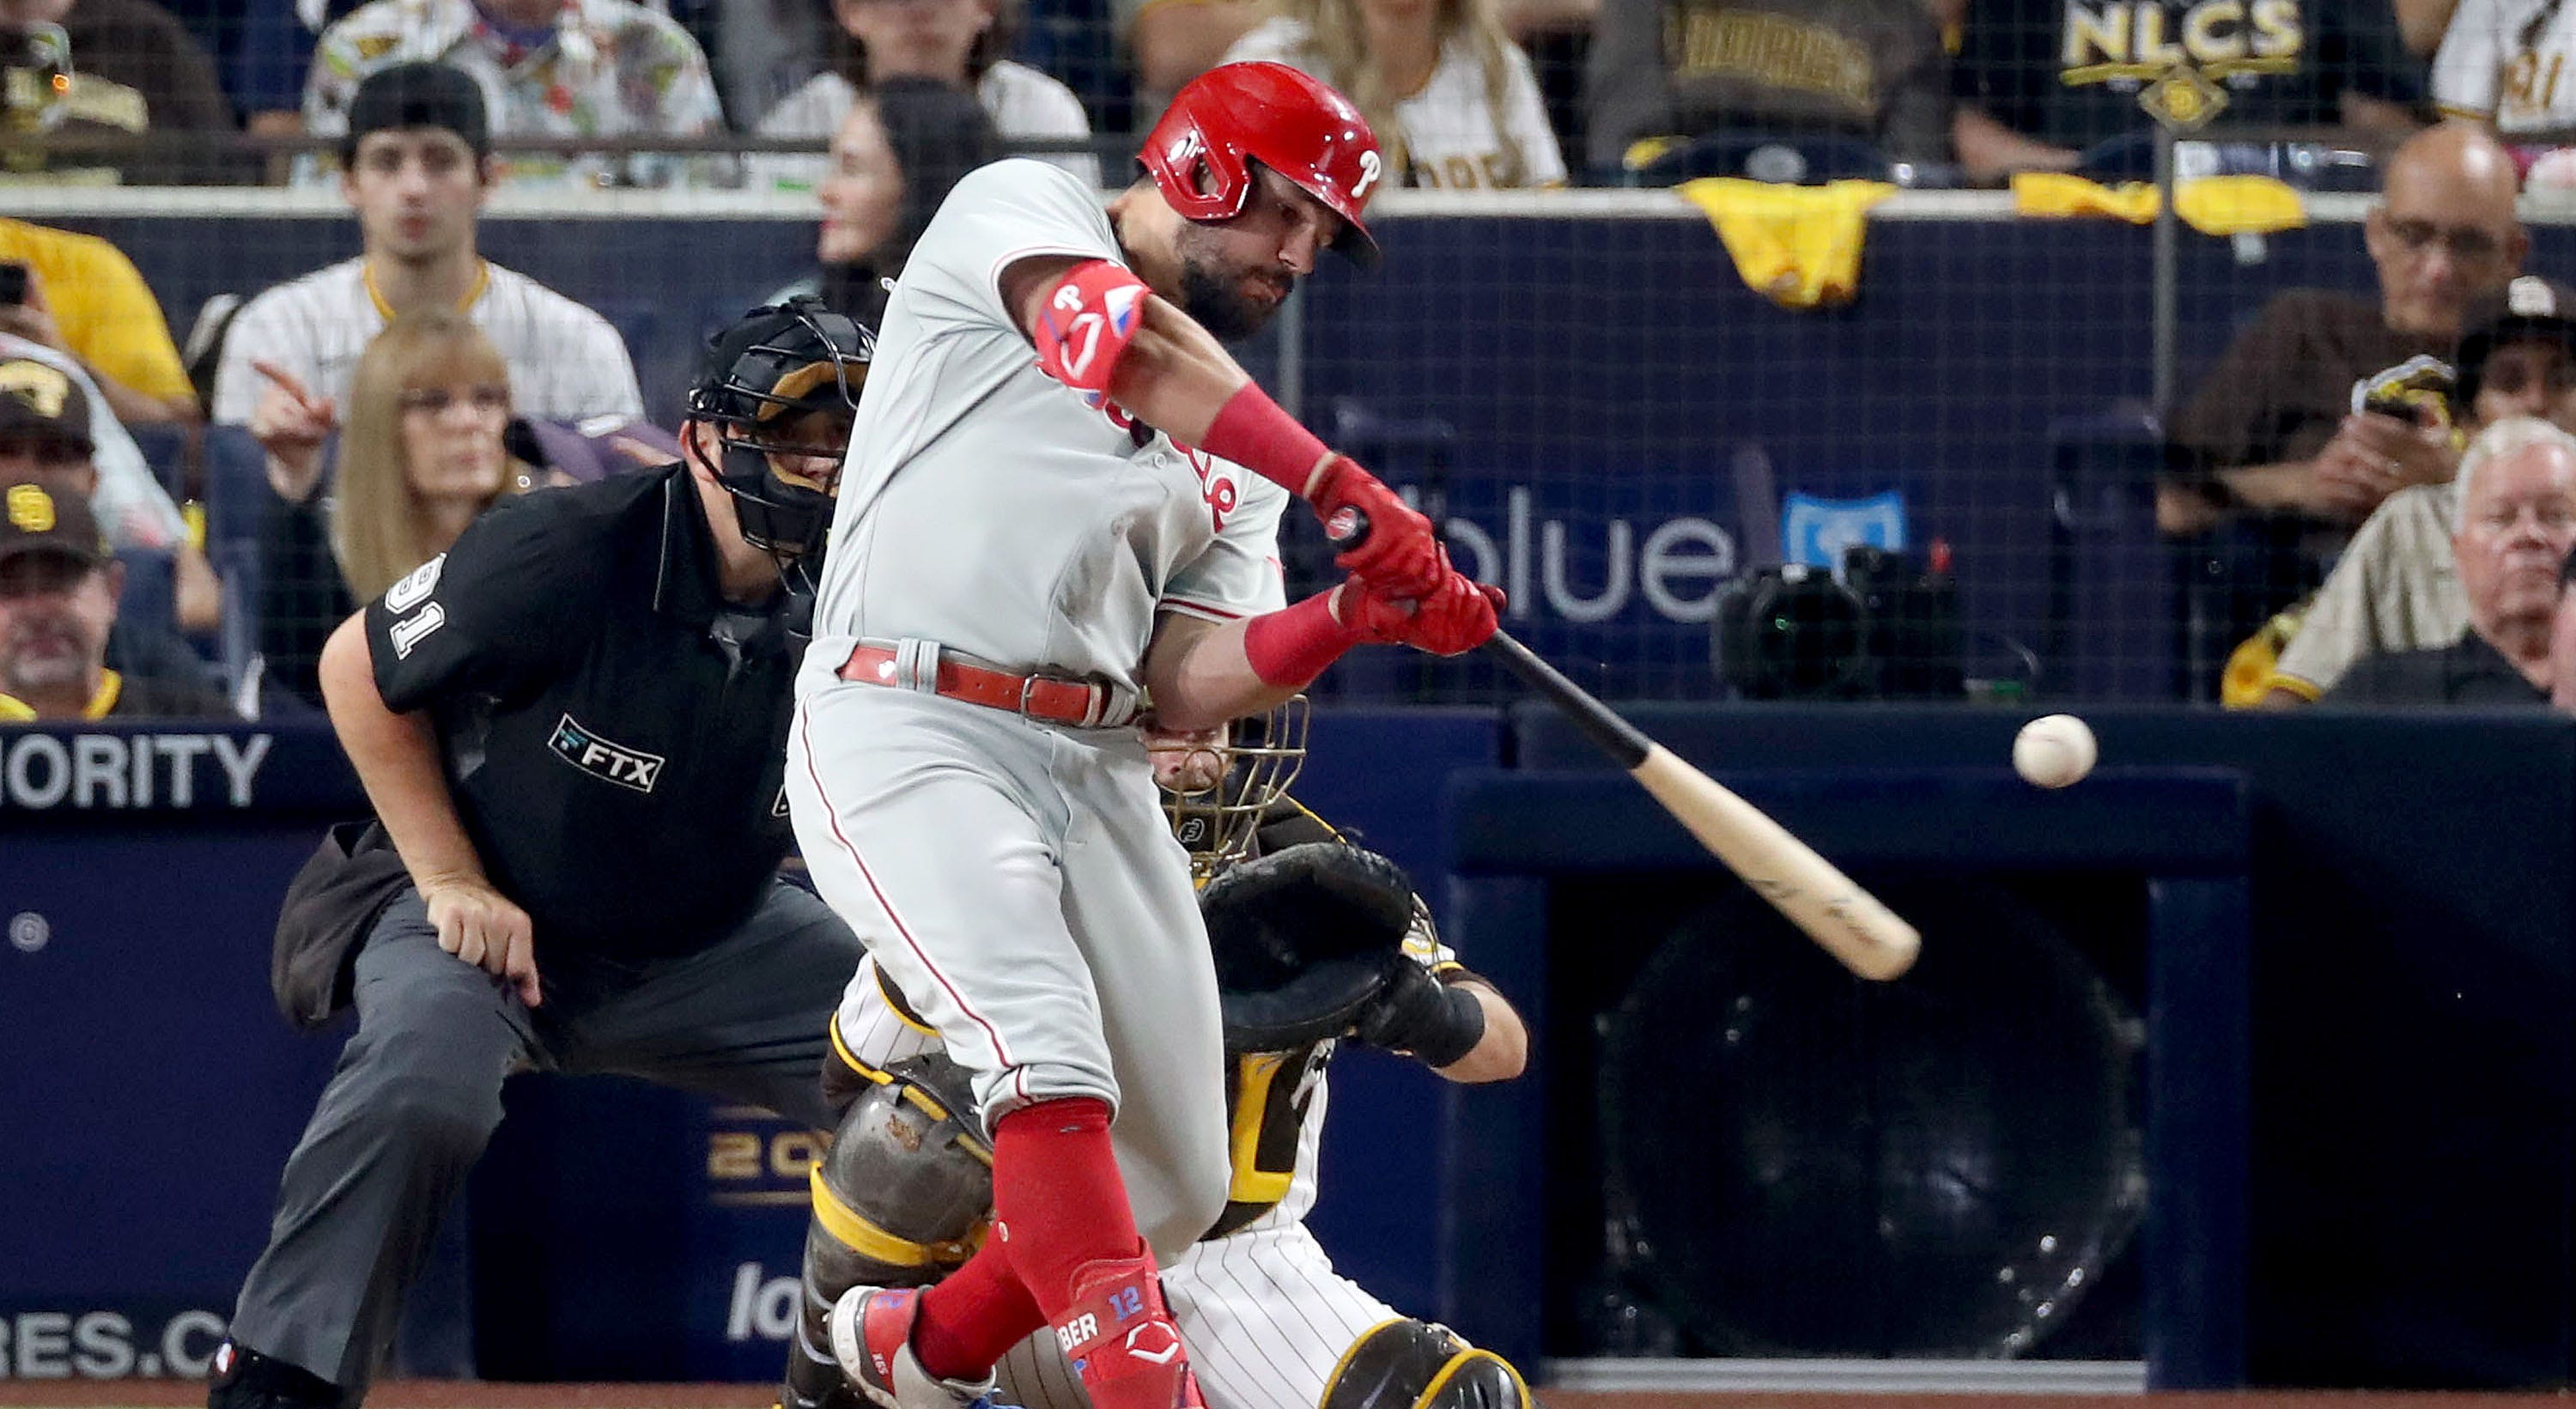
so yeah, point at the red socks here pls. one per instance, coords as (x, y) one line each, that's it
(973, 1317)
(1058, 1205)
(1058, 1200)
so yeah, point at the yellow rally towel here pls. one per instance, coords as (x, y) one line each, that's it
(1798, 246)
(2056, 193)
(2252, 668)
(2239, 205)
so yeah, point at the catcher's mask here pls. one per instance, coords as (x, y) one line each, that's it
(1250, 769)
(778, 364)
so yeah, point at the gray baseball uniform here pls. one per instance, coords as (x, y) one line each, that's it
(1017, 875)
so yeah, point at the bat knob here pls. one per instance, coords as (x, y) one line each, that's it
(1347, 528)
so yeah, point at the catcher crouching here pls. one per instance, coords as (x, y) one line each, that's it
(1316, 941)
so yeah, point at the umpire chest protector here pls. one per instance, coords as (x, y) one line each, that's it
(613, 731)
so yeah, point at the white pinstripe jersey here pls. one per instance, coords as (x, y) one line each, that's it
(994, 510)
(566, 362)
(2509, 61)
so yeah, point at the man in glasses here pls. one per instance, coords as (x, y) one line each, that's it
(2274, 459)
(2397, 587)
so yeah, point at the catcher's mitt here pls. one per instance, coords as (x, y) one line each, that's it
(1303, 940)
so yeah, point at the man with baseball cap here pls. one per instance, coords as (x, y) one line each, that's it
(51, 434)
(2397, 586)
(416, 167)
(58, 593)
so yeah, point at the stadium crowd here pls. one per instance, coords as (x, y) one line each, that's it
(1477, 93)
(414, 111)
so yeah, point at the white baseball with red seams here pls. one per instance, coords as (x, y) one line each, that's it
(1016, 878)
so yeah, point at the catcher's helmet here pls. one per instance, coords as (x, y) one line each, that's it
(1261, 757)
(779, 362)
(1222, 121)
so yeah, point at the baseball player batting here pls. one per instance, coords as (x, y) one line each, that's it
(1062, 496)
(905, 1189)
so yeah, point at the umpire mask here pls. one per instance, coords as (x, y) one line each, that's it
(773, 369)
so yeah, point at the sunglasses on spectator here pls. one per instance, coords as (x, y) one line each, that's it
(435, 399)
(2465, 244)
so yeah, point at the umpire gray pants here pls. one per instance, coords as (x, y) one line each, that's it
(417, 1093)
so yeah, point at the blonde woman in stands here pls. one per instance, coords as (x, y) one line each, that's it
(1448, 93)
(420, 455)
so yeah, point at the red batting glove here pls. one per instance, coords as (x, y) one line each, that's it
(1398, 554)
(1454, 617)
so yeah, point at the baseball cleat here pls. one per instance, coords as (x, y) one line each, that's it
(871, 1330)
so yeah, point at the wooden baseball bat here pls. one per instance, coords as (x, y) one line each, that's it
(1850, 923)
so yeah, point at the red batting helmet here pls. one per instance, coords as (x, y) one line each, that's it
(1235, 114)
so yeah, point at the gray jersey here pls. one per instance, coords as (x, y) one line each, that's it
(994, 510)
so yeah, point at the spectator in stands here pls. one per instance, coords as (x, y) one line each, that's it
(2421, 23)
(52, 429)
(893, 161)
(85, 299)
(2397, 585)
(2272, 467)
(418, 172)
(111, 68)
(2517, 521)
(421, 456)
(1170, 42)
(2502, 62)
(2071, 77)
(1450, 96)
(58, 593)
(2562, 641)
(545, 68)
(956, 42)
(1870, 69)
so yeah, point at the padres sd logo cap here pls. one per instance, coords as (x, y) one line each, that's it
(34, 518)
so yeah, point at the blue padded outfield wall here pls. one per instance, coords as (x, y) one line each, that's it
(2346, 942)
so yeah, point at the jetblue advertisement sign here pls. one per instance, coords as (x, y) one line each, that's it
(1629, 550)
(1619, 574)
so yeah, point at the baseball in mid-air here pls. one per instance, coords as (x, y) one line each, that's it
(2054, 750)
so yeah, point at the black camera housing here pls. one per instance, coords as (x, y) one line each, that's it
(1888, 629)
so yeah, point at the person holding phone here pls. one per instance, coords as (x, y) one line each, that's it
(81, 296)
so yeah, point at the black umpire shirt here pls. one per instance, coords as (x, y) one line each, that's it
(613, 731)
(2467, 672)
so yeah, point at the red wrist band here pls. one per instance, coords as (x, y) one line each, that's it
(1289, 648)
(1257, 433)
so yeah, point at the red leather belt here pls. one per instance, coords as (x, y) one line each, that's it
(1051, 698)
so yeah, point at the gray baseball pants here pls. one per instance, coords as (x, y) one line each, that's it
(417, 1093)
